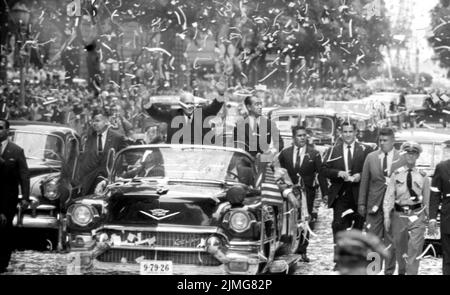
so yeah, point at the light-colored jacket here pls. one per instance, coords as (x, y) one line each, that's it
(373, 182)
(397, 191)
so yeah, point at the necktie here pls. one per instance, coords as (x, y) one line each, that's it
(297, 160)
(385, 164)
(349, 158)
(99, 143)
(412, 193)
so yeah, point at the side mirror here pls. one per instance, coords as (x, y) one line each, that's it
(110, 161)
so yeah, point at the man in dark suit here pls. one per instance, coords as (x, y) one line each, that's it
(191, 119)
(256, 134)
(13, 173)
(343, 165)
(100, 140)
(303, 161)
(151, 166)
(440, 194)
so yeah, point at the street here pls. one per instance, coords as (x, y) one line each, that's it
(320, 252)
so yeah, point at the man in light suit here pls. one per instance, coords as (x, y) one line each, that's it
(377, 169)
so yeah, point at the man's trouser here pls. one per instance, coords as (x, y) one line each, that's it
(375, 225)
(6, 244)
(342, 218)
(408, 231)
(304, 240)
(445, 242)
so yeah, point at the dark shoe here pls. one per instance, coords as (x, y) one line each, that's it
(305, 258)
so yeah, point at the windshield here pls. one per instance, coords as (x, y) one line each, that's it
(185, 163)
(39, 146)
(319, 125)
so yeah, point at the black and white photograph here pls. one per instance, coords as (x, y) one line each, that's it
(236, 138)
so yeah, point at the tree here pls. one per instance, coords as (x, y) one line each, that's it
(440, 39)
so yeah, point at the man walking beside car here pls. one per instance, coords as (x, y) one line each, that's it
(343, 165)
(374, 179)
(440, 195)
(13, 173)
(303, 161)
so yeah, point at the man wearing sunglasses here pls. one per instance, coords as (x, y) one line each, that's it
(13, 173)
(186, 124)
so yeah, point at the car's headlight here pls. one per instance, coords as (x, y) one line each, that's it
(82, 215)
(240, 221)
(50, 190)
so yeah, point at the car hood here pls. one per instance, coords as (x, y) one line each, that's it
(39, 167)
(180, 204)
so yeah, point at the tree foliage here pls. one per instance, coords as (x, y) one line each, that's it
(440, 39)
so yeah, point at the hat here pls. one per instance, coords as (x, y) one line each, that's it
(411, 147)
(236, 195)
(356, 245)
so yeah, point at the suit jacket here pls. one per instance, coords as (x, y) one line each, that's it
(176, 124)
(310, 167)
(440, 194)
(373, 182)
(13, 173)
(334, 162)
(259, 139)
(92, 163)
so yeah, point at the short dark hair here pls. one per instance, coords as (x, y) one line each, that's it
(386, 131)
(347, 123)
(248, 100)
(100, 111)
(6, 122)
(296, 128)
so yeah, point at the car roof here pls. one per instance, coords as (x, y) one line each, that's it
(304, 111)
(422, 136)
(40, 127)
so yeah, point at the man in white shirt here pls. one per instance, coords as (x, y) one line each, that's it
(374, 179)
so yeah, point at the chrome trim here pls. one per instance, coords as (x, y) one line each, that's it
(46, 207)
(40, 221)
(173, 146)
(163, 228)
(157, 248)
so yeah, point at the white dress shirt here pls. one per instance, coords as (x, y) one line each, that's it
(104, 134)
(302, 154)
(352, 151)
(3, 146)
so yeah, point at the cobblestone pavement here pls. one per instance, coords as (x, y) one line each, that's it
(320, 253)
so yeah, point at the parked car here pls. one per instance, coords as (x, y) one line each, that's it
(183, 215)
(436, 148)
(419, 114)
(320, 121)
(47, 148)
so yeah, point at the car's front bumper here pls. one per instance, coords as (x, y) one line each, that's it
(41, 216)
(239, 258)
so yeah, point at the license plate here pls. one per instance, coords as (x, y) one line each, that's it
(156, 267)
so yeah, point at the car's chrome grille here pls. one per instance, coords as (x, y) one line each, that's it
(179, 247)
(166, 239)
(130, 256)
